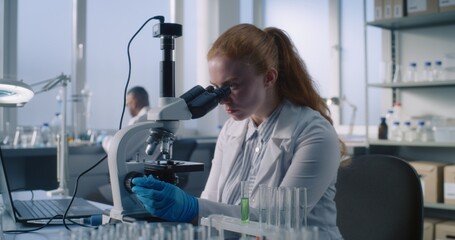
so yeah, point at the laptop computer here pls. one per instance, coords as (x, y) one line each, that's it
(35, 211)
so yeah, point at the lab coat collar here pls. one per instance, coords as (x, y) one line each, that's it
(284, 127)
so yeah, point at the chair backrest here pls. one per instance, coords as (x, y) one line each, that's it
(379, 197)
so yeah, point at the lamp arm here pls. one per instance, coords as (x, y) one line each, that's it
(52, 83)
(352, 120)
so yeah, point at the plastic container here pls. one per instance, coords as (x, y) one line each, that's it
(396, 134)
(444, 134)
(427, 72)
(411, 74)
(409, 132)
(398, 113)
(46, 134)
(438, 71)
(388, 117)
(424, 133)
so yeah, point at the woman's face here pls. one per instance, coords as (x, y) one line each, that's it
(248, 91)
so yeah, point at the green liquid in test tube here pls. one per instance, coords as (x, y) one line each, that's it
(245, 209)
(245, 202)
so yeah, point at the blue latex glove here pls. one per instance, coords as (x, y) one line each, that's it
(165, 200)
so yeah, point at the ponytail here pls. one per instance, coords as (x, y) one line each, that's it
(294, 82)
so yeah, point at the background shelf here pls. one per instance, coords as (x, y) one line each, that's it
(414, 84)
(429, 20)
(440, 206)
(410, 144)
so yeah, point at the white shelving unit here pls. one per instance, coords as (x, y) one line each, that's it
(438, 151)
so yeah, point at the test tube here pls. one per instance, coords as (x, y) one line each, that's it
(245, 201)
(300, 208)
(263, 204)
(284, 207)
(272, 206)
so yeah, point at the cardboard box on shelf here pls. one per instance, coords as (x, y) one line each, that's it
(429, 228)
(378, 7)
(399, 8)
(446, 5)
(445, 230)
(388, 9)
(431, 178)
(421, 7)
(449, 184)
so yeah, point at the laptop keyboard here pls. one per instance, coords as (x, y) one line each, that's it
(45, 208)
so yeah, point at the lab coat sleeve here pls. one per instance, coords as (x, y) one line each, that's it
(315, 160)
(211, 188)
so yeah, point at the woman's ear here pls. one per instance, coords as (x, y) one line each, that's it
(270, 77)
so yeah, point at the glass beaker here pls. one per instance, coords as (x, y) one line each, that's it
(17, 142)
(36, 139)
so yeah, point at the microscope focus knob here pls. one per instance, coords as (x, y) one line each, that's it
(129, 177)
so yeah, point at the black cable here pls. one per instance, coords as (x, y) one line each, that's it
(161, 19)
(33, 229)
(76, 187)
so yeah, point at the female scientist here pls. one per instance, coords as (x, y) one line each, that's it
(279, 134)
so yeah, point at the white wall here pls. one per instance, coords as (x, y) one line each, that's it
(44, 51)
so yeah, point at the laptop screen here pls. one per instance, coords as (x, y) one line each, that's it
(4, 188)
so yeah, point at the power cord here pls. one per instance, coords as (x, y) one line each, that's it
(76, 187)
(18, 231)
(161, 19)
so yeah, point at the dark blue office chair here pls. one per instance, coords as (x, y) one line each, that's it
(379, 197)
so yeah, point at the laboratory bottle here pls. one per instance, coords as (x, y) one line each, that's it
(411, 74)
(398, 113)
(424, 132)
(395, 132)
(36, 139)
(427, 72)
(409, 132)
(438, 71)
(46, 134)
(382, 130)
(56, 125)
(389, 121)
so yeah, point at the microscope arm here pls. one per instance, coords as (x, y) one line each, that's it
(126, 203)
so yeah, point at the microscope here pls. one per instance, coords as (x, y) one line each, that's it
(162, 122)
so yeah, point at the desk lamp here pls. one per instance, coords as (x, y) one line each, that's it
(62, 142)
(14, 93)
(340, 102)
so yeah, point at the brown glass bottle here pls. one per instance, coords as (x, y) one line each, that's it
(383, 129)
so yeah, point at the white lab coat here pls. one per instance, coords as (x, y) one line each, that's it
(303, 151)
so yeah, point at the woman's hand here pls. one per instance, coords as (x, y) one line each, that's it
(165, 200)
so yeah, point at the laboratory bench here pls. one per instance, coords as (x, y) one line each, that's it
(36, 167)
(31, 168)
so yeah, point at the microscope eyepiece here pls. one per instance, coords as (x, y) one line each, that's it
(201, 101)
